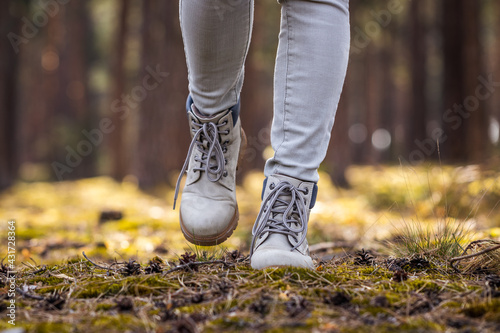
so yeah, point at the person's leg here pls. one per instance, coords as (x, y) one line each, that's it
(310, 69)
(216, 36)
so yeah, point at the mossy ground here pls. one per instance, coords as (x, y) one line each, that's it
(56, 222)
(341, 297)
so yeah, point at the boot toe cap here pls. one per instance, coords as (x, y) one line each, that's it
(275, 257)
(207, 219)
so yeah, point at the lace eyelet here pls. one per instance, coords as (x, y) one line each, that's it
(225, 161)
(272, 186)
(224, 123)
(225, 173)
(307, 191)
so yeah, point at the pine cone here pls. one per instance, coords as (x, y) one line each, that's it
(4, 269)
(54, 301)
(419, 263)
(493, 281)
(364, 258)
(400, 276)
(152, 268)
(187, 257)
(337, 298)
(296, 306)
(132, 267)
(397, 264)
(124, 304)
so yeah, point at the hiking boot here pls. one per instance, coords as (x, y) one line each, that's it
(208, 212)
(279, 233)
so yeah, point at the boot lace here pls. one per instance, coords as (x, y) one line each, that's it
(206, 140)
(293, 211)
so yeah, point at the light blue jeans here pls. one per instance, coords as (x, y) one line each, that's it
(311, 63)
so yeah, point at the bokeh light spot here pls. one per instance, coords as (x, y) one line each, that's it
(50, 61)
(381, 139)
(358, 133)
(494, 131)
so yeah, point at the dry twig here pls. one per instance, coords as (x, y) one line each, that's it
(472, 255)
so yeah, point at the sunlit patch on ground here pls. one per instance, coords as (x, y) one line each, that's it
(63, 219)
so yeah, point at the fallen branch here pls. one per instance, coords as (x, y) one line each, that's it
(93, 263)
(25, 294)
(39, 270)
(462, 257)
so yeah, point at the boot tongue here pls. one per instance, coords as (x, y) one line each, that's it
(295, 182)
(287, 197)
(202, 118)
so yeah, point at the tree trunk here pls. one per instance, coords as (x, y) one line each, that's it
(465, 118)
(257, 93)
(371, 100)
(8, 71)
(339, 155)
(72, 105)
(477, 143)
(117, 145)
(163, 128)
(387, 107)
(62, 108)
(416, 120)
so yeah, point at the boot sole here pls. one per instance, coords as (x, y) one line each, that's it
(212, 240)
(222, 237)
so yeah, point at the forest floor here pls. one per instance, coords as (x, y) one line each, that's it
(97, 255)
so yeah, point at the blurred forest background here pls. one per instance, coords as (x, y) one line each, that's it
(84, 89)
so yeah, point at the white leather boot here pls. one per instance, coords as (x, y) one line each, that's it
(279, 233)
(209, 213)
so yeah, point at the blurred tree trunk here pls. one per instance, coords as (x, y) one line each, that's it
(75, 85)
(371, 82)
(8, 72)
(39, 61)
(163, 127)
(465, 117)
(66, 90)
(416, 121)
(257, 95)
(496, 69)
(119, 157)
(478, 144)
(387, 112)
(339, 155)
(453, 148)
